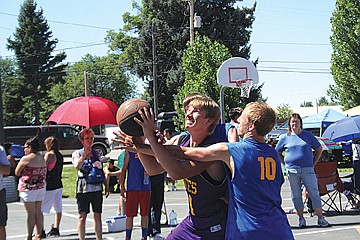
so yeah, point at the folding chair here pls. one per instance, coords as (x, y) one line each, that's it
(350, 192)
(330, 185)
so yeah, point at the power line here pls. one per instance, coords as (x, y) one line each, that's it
(291, 71)
(291, 43)
(66, 23)
(295, 62)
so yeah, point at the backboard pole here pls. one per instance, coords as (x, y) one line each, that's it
(222, 104)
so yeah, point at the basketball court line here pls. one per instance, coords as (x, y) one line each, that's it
(327, 230)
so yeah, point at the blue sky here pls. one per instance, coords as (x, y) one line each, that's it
(290, 38)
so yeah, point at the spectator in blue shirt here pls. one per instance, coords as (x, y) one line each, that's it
(297, 146)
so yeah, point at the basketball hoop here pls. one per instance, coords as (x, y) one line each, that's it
(245, 86)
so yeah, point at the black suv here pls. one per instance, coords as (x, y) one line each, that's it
(66, 135)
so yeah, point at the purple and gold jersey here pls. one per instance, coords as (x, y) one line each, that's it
(254, 193)
(207, 211)
(201, 187)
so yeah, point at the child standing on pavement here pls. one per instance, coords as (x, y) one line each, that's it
(137, 193)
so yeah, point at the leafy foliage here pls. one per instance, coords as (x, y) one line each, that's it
(345, 65)
(323, 101)
(106, 77)
(283, 112)
(39, 70)
(172, 34)
(306, 104)
(200, 64)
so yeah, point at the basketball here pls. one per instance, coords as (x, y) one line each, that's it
(126, 113)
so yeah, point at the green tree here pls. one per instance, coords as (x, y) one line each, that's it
(39, 70)
(12, 97)
(107, 78)
(200, 63)
(345, 66)
(283, 112)
(171, 20)
(306, 104)
(323, 101)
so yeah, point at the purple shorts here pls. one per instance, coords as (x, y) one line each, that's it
(210, 228)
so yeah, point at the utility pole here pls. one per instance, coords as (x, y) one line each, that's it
(154, 60)
(192, 13)
(86, 80)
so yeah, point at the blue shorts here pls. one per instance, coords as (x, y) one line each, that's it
(84, 200)
(211, 228)
(3, 208)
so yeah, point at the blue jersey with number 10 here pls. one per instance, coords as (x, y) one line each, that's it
(254, 193)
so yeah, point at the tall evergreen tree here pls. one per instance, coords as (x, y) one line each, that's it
(13, 111)
(33, 49)
(345, 41)
(221, 21)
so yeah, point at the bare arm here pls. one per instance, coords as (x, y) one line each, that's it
(282, 158)
(49, 159)
(4, 169)
(78, 159)
(123, 174)
(115, 173)
(152, 165)
(21, 165)
(317, 154)
(169, 159)
(232, 135)
(11, 161)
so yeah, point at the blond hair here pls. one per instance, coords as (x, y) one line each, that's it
(262, 116)
(203, 102)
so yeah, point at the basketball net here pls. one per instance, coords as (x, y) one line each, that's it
(245, 86)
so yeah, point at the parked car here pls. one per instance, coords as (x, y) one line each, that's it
(275, 134)
(67, 137)
(166, 120)
(283, 128)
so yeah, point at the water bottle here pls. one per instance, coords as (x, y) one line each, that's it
(146, 180)
(173, 218)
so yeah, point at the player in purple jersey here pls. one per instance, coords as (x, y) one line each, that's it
(255, 180)
(205, 182)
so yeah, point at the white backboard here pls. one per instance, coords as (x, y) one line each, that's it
(235, 69)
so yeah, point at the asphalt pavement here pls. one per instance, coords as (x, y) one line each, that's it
(346, 226)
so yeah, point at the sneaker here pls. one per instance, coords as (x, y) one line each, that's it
(53, 232)
(323, 223)
(158, 236)
(167, 188)
(173, 188)
(43, 234)
(302, 222)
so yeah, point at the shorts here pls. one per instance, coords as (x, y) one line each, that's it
(212, 227)
(33, 195)
(133, 199)
(3, 208)
(84, 200)
(52, 199)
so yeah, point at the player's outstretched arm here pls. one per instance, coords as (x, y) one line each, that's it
(169, 161)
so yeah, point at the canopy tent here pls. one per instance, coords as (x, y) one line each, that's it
(322, 119)
(353, 111)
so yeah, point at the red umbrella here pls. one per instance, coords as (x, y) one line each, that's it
(85, 111)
